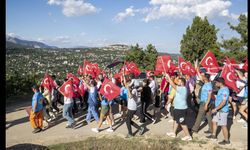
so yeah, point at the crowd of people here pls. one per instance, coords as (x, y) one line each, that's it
(208, 97)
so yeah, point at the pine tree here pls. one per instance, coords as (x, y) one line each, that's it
(198, 39)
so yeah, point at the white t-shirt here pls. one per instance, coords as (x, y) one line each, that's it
(239, 84)
(152, 85)
(133, 100)
(68, 100)
(99, 83)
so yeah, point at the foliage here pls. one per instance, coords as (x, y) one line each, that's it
(150, 57)
(237, 47)
(198, 39)
(136, 54)
(145, 59)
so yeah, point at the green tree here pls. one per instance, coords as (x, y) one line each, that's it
(136, 54)
(198, 39)
(237, 47)
(150, 57)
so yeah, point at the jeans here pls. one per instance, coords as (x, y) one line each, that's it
(144, 113)
(163, 99)
(67, 113)
(92, 111)
(200, 116)
(129, 121)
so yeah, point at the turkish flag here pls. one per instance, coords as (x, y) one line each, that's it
(48, 82)
(210, 63)
(95, 70)
(80, 70)
(118, 75)
(87, 67)
(183, 66)
(229, 77)
(67, 89)
(81, 90)
(76, 80)
(164, 63)
(134, 69)
(192, 71)
(209, 60)
(109, 89)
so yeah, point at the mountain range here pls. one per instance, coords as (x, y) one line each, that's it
(14, 42)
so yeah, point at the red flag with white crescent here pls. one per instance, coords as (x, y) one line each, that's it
(48, 82)
(67, 89)
(109, 89)
(80, 70)
(76, 80)
(210, 63)
(229, 77)
(81, 90)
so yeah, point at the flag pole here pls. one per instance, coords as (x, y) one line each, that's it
(163, 65)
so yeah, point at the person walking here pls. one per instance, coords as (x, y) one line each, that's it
(36, 114)
(220, 112)
(180, 108)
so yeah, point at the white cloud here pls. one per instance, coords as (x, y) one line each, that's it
(122, 15)
(187, 8)
(72, 8)
(183, 9)
(54, 2)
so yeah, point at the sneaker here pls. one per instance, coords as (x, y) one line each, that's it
(129, 136)
(141, 130)
(212, 137)
(241, 121)
(49, 120)
(224, 142)
(154, 120)
(171, 134)
(234, 117)
(208, 132)
(105, 122)
(110, 130)
(140, 123)
(170, 121)
(186, 138)
(118, 115)
(36, 130)
(95, 130)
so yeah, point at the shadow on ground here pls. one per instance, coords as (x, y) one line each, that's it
(27, 146)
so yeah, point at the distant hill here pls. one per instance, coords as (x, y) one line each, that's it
(13, 42)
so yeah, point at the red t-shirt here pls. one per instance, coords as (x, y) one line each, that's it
(163, 82)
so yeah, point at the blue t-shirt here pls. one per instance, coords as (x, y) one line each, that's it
(104, 101)
(206, 88)
(111, 102)
(38, 99)
(223, 93)
(180, 100)
(124, 93)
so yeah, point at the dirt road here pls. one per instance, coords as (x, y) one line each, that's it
(18, 130)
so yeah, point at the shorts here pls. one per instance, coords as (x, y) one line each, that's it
(105, 109)
(220, 118)
(180, 116)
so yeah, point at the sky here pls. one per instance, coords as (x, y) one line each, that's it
(98, 23)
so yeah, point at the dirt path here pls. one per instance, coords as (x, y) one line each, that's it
(18, 130)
